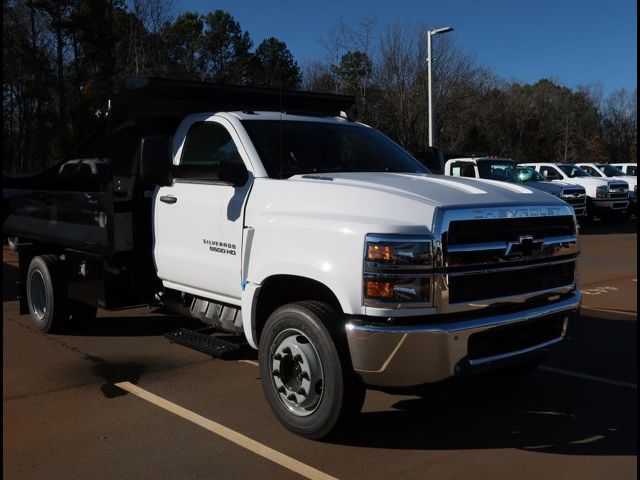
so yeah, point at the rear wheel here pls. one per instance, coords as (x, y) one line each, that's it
(46, 294)
(306, 369)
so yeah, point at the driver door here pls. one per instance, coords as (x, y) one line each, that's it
(198, 221)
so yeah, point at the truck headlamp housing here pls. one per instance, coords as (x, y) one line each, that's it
(399, 252)
(397, 271)
(602, 191)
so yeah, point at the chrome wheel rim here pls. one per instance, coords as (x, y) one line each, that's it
(37, 296)
(296, 372)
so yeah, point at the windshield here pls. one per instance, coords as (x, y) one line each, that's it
(504, 170)
(291, 148)
(573, 171)
(610, 170)
(529, 175)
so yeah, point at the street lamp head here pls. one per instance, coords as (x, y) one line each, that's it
(437, 31)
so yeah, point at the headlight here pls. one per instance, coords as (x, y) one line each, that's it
(602, 192)
(397, 271)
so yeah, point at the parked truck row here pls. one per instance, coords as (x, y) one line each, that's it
(330, 249)
(591, 189)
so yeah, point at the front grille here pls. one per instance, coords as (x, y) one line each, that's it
(478, 286)
(574, 196)
(511, 338)
(508, 229)
(618, 191)
(617, 196)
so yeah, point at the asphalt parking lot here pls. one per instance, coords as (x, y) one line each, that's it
(194, 417)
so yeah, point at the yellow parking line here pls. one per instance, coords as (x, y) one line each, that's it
(225, 432)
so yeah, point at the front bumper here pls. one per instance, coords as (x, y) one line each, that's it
(399, 356)
(601, 205)
(580, 210)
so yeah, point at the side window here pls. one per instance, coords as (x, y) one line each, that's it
(463, 169)
(455, 169)
(207, 146)
(591, 171)
(468, 170)
(550, 173)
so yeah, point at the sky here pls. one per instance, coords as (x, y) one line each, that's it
(574, 42)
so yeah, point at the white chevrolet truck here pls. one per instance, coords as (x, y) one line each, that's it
(604, 170)
(606, 198)
(315, 238)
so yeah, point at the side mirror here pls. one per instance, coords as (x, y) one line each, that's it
(234, 173)
(156, 160)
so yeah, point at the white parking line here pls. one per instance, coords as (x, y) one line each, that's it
(593, 378)
(225, 432)
(250, 362)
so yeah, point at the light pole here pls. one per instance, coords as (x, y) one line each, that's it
(431, 33)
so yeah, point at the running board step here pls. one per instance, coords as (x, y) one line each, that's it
(214, 346)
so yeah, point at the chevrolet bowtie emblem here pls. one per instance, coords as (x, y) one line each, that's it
(525, 245)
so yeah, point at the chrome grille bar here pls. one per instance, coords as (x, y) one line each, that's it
(484, 260)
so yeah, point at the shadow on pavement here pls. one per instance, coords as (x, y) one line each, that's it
(133, 326)
(9, 286)
(540, 413)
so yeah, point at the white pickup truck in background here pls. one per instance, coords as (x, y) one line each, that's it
(603, 170)
(317, 239)
(627, 168)
(608, 199)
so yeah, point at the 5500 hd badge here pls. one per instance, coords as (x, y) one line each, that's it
(220, 247)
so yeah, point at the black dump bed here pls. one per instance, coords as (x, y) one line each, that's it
(94, 200)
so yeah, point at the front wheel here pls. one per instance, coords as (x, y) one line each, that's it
(306, 369)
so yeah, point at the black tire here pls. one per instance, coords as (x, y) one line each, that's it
(342, 392)
(46, 294)
(588, 218)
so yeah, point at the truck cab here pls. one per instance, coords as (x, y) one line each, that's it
(506, 170)
(605, 198)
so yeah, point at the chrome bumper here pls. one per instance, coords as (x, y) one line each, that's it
(396, 356)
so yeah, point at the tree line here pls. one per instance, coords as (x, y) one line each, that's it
(62, 57)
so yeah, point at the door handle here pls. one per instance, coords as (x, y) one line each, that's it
(168, 199)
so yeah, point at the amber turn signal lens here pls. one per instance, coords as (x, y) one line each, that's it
(379, 252)
(377, 289)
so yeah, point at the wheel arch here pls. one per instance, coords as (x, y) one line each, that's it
(281, 289)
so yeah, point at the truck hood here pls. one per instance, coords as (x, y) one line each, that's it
(436, 190)
(553, 187)
(627, 179)
(588, 181)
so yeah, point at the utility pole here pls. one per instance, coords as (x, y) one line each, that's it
(430, 34)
